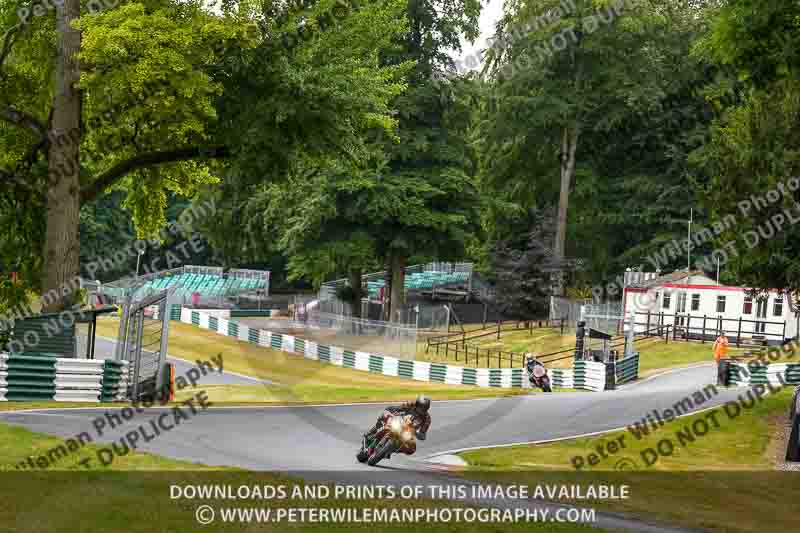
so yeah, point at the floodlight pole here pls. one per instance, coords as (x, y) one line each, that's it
(689, 242)
(138, 259)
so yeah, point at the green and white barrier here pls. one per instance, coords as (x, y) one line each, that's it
(563, 377)
(43, 377)
(253, 313)
(116, 379)
(627, 369)
(3, 377)
(590, 375)
(177, 312)
(776, 374)
(78, 380)
(586, 375)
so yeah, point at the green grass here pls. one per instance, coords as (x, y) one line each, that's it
(17, 406)
(740, 443)
(722, 481)
(133, 494)
(299, 379)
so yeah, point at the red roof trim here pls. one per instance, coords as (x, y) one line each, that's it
(696, 287)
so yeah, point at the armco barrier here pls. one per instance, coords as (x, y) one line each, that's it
(3, 376)
(744, 374)
(253, 313)
(627, 369)
(590, 375)
(116, 378)
(78, 380)
(586, 375)
(564, 378)
(46, 377)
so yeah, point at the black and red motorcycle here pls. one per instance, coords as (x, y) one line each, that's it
(537, 375)
(398, 434)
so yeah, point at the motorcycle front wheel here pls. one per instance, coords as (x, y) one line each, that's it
(384, 448)
(546, 385)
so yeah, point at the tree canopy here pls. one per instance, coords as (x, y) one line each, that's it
(336, 138)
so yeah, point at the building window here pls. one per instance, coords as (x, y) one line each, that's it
(667, 298)
(681, 303)
(777, 306)
(748, 305)
(720, 304)
(695, 302)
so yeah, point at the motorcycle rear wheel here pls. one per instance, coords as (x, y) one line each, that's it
(384, 448)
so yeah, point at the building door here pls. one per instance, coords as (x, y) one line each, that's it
(761, 312)
(680, 319)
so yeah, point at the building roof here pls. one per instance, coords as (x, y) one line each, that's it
(693, 277)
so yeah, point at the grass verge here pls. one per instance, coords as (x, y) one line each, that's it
(693, 471)
(298, 380)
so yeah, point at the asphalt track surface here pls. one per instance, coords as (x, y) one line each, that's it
(321, 441)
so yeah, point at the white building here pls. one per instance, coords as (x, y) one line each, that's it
(697, 305)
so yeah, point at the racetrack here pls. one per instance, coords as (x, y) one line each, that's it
(292, 437)
(320, 442)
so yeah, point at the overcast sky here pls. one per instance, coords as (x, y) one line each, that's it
(490, 14)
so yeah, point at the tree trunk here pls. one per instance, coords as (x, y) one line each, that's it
(62, 243)
(569, 145)
(355, 283)
(398, 298)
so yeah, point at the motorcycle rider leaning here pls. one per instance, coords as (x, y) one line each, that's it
(418, 409)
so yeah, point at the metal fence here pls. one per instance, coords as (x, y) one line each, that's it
(142, 340)
(461, 346)
(706, 328)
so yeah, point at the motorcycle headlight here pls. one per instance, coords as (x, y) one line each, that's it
(407, 436)
(396, 425)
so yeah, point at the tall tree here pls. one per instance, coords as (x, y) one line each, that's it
(409, 189)
(564, 76)
(157, 91)
(751, 161)
(432, 153)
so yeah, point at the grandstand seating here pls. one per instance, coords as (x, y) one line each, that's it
(422, 281)
(208, 285)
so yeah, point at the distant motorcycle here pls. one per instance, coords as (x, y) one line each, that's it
(537, 375)
(398, 434)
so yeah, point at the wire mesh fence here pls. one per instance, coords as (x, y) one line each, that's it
(375, 336)
(566, 309)
(606, 317)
